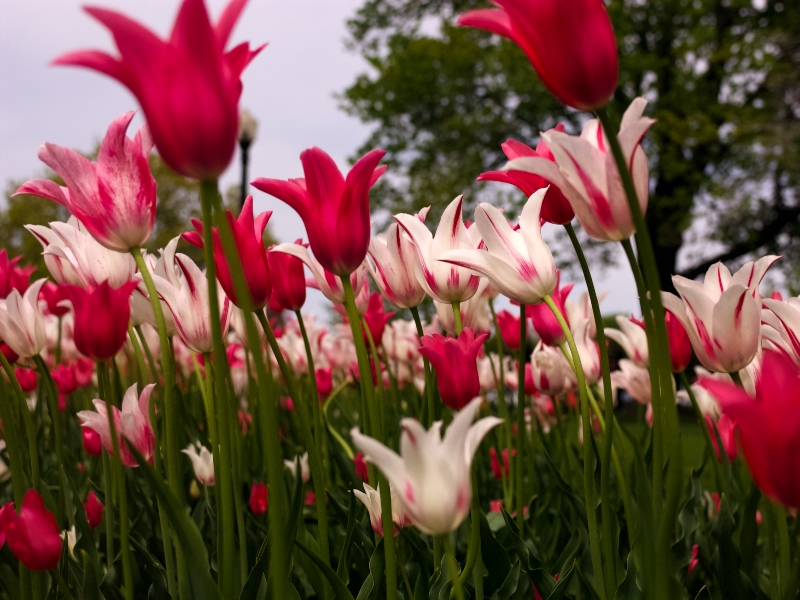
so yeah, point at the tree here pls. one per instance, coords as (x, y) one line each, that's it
(721, 77)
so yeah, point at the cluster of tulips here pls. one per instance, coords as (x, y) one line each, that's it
(229, 445)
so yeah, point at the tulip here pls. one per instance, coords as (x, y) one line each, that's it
(474, 312)
(494, 460)
(582, 310)
(585, 171)
(9, 353)
(74, 257)
(33, 535)
(572, 47)
(376, 319)
(454, 361)
(721, 315)
(391, 261)
(362, 472)
(633, 339)
(288, 281)
(543, 319)
(784, 317)
(768, 424)
(727, 432)
(185, 292)
(324, 381)
(371, 498)
(305, 471)
(132, 423)
(549, 370)
(694, 561)
(22, 321)
(13, 277)
(188, 86)
(633, 378)
(94, 510)
(141, 307)
(202, 463)
(680, 346)
(102, 314)
(431, 474)
(64, 377)
(53, 295)
(247, 233)
(84, 369)
(259, 499)
(508, 328)
(588, 351)
(115, 197)
(555, 208)
(27, 379)
(334, 210)
(518, 263)
(442, 282)
(92, 442)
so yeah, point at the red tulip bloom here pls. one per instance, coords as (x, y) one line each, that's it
(455, 363)
(84, 369)
(508, 326)
(188, 86)
(92, 442)
(555, 207)
(13, 277)
(694, 562)
(27, 379)
(64, 378)
(570, 44)
(53, 294)
(259, 499)
(499, 472)
(543, 319)
(362, 471)
(94, 510)
(247, 233)
(288, 281)
(727, 433)
(680, 346)
(324, 383)
(334, 210)
(769, 425)
(33, 534)
(376, 318)
(9, 353)
(102, 314)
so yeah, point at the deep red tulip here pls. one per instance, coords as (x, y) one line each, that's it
(9, 353)
(259, 499)
(287, 404)
(27, 379)
(12, 276)
(530, 383)
(188, 86)
(455, 363)
(499, 472)
(376, 318)
(324, 383)
(727, 433)
(334, 210)
(362, 472)
(53, 294)
(33, 535)
(102, 314)
(288, 281)
(65, 380)
(776, 295)
(543, 319)
(680, 346)
(769, 425)
(571, 45)
(94, 510)
(247, 232)
(508, 326)
(555, 207)
(92, 442)
(693, 563)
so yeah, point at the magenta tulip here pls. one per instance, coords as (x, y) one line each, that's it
(455, 363)
(543, 319)
(33, 534)
(288, 281)
(94, 510)
(259, 499)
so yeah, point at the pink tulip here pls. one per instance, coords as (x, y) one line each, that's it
(64, 377)
(92, 442)
(680, 346)
(115, 197)
(727, 433)
(632, 338)
(362, 471)
(188, 86)
(694, 561)
(132, 423)
(571, 46)
(543, 319)
(324, 383)
(376, 319)
(13, 277)
(549, 370)
(508, 328)
(94, 510)
(102, 314)
(768, 425)
(22, 321)
(288, 281)
(555, 208)
(33, 534)
(27, 379)
(500, 471)
(53, 294)
(247, 233)
(334, 210)
(635, 379)
(391, 261)
(454, 361)
(259, 499)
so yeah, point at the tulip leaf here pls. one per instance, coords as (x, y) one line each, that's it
(343, 568)
(560, 589)
(703, 594)
(629, 589)
(576, 501)
(529, 561)
(257, 573)
(588, 589)
(748, 537)
(91, 582)
(509, 586)
(203, 585)
(495, 559)
(337, 584)
(158, 589)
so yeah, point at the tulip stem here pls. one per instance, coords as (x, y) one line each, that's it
(206, 385)
(519, 463)
(701, 421)
(19, 479)
(737, 379)
(109, 516)
(62, 584)
(452, 567)
(137, 353)
(429, 392)
(474, 549)
(502, 407)
(784, 553)
(588, 451)
(146, 349)
(561, 437)
(457, 318)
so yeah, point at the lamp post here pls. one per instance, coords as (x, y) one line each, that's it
(248, 127)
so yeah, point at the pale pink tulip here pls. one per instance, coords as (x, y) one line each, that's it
(633, 339)
(22, 322)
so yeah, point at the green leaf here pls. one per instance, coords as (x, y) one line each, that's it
(495, 559)
(340, 589)
(505, 591)
(703, 594)
(91, 582)
(259, 571)
(562, 585)
(343, 568)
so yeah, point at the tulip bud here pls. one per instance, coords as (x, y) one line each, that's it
(33, 535)
(324, 383)
(288, 281)
(455, 363)
(680, 346)
(543, 319)
(362, 472)
(27, 379)
(91, 442)
(508, 328)
(259, 499)
(94, 510)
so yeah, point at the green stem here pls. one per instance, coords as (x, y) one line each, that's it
(429, 391)
(588, 452)
(452, 563)
(62, 584)
(58, 430)
(774, 579)
(150, 361)
(519, 462)
(474, 549)
(109, 511)
(737, 379)
(137, 353)
(561, 436)
(319, 435)
(20, 483)
(207, 388)
(457, 317)
(701, 421)
(502, 407)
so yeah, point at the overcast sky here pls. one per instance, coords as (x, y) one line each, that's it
(289, 87)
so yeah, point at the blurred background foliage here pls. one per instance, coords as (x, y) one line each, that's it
(722, 77)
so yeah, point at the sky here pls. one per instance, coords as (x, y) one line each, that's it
(290, 88)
